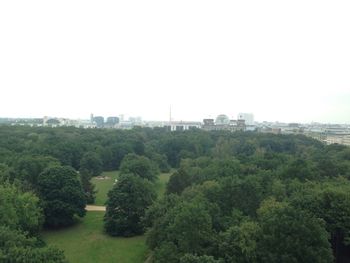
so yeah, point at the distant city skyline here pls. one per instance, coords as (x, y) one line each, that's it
(281, 61)
(127, 117)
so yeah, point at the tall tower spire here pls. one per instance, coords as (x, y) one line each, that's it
(170, 115)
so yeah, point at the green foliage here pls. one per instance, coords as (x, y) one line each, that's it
(288, 231)
(62, 195)
(156, 211)
(91, 163)
(178, 182)
(278, 190)
(69, 153)
(118, 152)
(331, 202)
(300, 169)
(189, 258)
(191, 228)
(19, 210)
(126, 205)
(239, 243)
(223, 177)
(166, 252)
(186, 225)
(88, 186)
(6, 173)
(140, 166)
(243, 194)
(289, 234)
(28, 168)
(16, 247)
(160, 160)
(20, 221)
(200, 170)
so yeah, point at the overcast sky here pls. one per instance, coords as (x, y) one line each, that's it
(281, 60)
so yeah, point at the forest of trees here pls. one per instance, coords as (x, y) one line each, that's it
(232, 197)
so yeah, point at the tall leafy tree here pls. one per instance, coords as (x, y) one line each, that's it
(88, 186)
(178, 182)
(62, 195)
(126, 206)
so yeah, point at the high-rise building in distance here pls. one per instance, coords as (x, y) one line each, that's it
(248, 117)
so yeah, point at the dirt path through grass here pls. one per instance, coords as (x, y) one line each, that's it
(95, 208)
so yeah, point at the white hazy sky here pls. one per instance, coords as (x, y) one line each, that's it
(281, 60)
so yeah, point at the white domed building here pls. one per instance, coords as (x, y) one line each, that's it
(222, 119)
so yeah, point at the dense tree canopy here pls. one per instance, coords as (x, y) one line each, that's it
(17, 247)
(62, 195)
(19, 210)
(91, 163)
(289, 234)
(218, 204)
(28, 168)
(20, 222)
(140, 166)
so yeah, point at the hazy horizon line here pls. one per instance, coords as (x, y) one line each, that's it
(164, 120)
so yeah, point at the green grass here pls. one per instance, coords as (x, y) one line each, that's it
(103, 186)
(161, 183)
(86, 242)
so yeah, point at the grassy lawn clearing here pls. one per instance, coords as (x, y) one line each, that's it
(86, 242)
(161, 183)
(104, 185)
